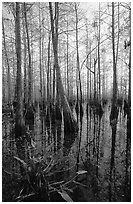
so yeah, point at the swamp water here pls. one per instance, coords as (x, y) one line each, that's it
(92, 165)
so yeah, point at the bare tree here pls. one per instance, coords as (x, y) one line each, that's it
(69, 120)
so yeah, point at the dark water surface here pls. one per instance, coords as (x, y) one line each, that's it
(99, 149)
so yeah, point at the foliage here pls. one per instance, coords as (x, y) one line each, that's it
(35, 185)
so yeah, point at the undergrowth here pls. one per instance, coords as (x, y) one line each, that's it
(34, 183)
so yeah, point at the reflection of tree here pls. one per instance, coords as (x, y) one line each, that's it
(127, 189)
(56, 134)
(102, 141)
(59, 134)
(68, 142)
(90, 138)
(94, 134)
(112, 164)
(53, 134)
(48, 126)
(97, 144)
(80, 134)
(43, 133)
(88, 143)
(96, 140)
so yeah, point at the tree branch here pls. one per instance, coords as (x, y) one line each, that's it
(92, 51)
(89, 69)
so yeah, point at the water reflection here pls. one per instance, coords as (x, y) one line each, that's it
(112, 166)
(103, 150)
(128, 161)
(68, 142)
(79, 141)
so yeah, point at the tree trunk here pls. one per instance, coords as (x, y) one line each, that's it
(103, 80)
(114, 109)
(43, 65)
(87, 61)
(40, 55)
(90, 72)
(67, 61)
(48, 69)
(25, 71)
(19, 74)
(129, 90)
(69, 120)
(29, 55)
(117, 49)
(99, 58)
(95, 61)
(78, 65)
(8, 66)
(32, 63)
(19, 114)
(114, 59)
(3, 83)
(14, 70)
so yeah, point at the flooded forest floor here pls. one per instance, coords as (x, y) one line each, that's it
(93, 165)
